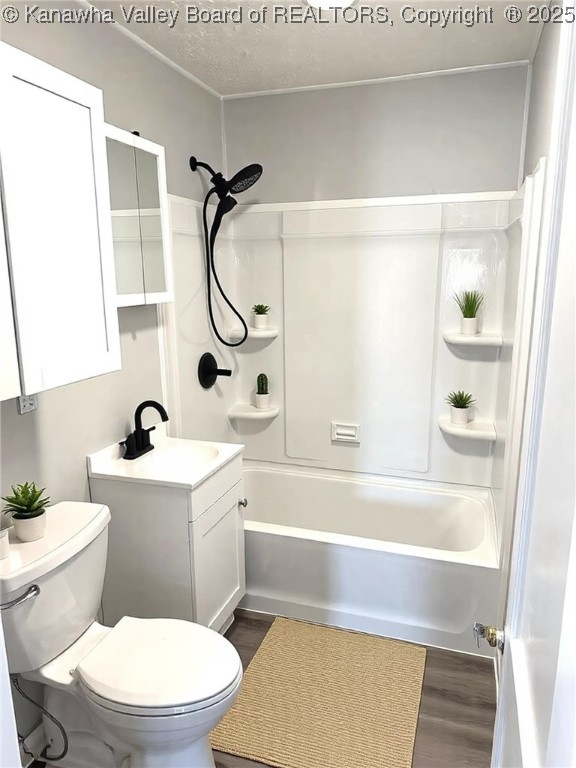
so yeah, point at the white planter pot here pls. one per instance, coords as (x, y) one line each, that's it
(30, 529)
(259, 321)
(4, 544)
(469, 326)
(459, 415)
(262, 401)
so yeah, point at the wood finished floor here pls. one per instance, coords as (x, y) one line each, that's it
(456, 713)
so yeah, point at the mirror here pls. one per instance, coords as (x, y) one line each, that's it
(138, 201)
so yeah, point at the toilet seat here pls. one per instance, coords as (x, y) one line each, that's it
(184, 709)
(157, 667)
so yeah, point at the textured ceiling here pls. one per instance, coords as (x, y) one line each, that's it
(235, 58)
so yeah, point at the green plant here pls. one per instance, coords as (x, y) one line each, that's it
(469, 302)
(460, 399)
(26, 501)
(260, 309)
(262, 384)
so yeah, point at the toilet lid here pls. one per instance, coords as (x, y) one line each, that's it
(160, 663)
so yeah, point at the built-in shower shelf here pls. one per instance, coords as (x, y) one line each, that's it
(253, 333)
(478, 429)
(247, 412)
(476, 340)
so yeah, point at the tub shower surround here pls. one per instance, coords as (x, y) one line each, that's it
(363, 512)
(363, 296)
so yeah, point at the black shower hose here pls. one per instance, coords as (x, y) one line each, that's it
(211, 270)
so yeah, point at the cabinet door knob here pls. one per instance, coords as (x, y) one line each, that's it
(243, 503)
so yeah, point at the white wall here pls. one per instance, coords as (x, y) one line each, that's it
(9, 756)
(451, 133)
(140, 93)
(541, 96)
(203, 412)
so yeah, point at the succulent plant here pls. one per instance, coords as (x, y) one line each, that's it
(26, 501)
(460, 399)
(262, 384)
(260, 309)
(469, 302)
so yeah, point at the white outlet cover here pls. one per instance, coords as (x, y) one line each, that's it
(27, 403)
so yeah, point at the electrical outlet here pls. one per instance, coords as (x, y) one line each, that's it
(27, 403)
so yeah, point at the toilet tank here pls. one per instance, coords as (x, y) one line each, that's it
(67, 565)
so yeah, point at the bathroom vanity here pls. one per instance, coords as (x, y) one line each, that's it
(176, 537)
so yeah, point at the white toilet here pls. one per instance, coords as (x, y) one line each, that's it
(145, 693)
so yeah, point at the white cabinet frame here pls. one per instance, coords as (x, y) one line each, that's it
(135, 299)
(9, 371)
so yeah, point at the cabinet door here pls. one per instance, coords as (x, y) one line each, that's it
(218, 560)
(53, 155)
(140, 219)
(154, 222)
(9, 375)
(125, 223)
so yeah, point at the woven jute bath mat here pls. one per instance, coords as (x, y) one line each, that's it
(318, 697)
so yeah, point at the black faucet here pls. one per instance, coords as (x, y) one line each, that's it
(138, 442)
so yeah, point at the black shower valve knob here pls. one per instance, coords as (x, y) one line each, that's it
(208, 370)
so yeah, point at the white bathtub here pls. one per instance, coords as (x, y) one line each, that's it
(398, 559)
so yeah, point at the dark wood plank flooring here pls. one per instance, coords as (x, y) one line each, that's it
(456, 714)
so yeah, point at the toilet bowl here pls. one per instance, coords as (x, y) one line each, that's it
(145, 693)
(160, 686)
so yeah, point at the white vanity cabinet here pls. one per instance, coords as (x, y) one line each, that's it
(57, 222)
(175, 548)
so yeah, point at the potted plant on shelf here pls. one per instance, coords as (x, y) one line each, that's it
(262, 395)
(28, 511)
(260, 315)
(469, 303)
(460, 403)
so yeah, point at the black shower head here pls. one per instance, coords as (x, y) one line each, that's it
(241, 181)
(245, 178)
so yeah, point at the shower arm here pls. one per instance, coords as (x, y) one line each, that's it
(198, 164)
(219, 182)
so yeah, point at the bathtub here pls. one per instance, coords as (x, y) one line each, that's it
(407, 560)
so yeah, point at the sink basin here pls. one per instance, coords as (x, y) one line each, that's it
(174, 461)
(180, 452)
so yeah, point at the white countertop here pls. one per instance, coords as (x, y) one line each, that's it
(174, 461)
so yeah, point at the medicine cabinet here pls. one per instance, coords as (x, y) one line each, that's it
(57, 297)
(140, 223)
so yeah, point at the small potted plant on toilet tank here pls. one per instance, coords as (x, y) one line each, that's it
(469, 303)
(262, 394)
(27, 508)
(460, 403)
(260, 315)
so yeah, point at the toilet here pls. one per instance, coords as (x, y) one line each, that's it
(142, 694)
